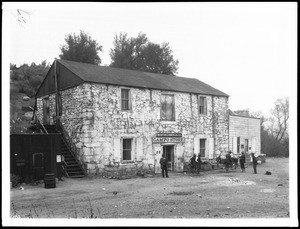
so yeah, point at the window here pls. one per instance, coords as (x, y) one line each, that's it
(167, 112)
(238, 144)
(202, 105)
(202, 147)
(127, 147)
(125, 99)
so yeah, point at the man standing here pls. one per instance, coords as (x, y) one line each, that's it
(198, 161)
(228, 161)
(164, 166)
(254, 162)
(242, 162)
(193, 163)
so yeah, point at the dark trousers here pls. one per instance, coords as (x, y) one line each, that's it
(242, 165)
(254, 168)
(198, 168)
(164, 171)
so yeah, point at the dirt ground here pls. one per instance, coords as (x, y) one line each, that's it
(212, 194)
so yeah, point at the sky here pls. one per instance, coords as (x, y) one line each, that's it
(247, 50)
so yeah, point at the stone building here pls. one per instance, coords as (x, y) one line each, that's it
(119, 120)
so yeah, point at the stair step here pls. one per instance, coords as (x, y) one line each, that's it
(75, 173)
(68, 155)
(70, 166)
(77, 176)
(74, 170)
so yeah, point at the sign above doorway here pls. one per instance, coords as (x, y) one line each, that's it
(167, 139)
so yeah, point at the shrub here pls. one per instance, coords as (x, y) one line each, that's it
(14, 179)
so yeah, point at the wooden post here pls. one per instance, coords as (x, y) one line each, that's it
(56, 91)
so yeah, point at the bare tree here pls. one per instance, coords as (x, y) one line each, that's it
(279, 119)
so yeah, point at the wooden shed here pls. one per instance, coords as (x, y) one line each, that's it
(34, 155)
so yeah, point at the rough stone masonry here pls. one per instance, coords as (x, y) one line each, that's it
(95, 125)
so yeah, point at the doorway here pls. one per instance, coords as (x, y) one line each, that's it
(168, 151)
(38, 166)
(46, 111)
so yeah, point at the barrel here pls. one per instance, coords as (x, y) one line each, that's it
(49, 180)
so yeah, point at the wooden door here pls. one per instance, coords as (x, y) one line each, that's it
(169, 153)
(38, 166)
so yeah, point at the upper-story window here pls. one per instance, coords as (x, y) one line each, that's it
(125, 99)
(167, 111)
(202, 103)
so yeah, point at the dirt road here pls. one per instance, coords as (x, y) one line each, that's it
(213, 194)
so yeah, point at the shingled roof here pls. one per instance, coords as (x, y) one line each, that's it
(133, 78)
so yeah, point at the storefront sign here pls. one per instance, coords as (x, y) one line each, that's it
(167, 139)
(169, 135)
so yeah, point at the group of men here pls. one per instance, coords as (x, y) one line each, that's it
(228, 161)
(195, 163)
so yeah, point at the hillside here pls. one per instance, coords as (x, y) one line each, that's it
(20, 113)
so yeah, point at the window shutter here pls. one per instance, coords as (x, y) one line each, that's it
(139, 149)
(205, 106)
(169, 107)
(253, 145)
(163, 108)
(129, 100)
(210, 148)
(173, 108)
(198, 104)
(234, 144)
(196, 146)
(179, 153)
(117, 149)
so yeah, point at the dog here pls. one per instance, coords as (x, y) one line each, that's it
(268, 173)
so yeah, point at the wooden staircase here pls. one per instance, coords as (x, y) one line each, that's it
(72, 167)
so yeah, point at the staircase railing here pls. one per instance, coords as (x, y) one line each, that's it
(37, 118)
(68, 143)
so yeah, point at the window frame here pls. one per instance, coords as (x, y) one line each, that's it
(200, 105)
(204, 152)
(130, 150)
(164, 95)
(128, 100)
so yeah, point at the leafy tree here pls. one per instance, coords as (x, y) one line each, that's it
(141, 54)
(81, 48)
(28, 78)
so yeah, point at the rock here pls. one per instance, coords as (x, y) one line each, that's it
(26, 98)
(199, 195)
(28, 115)
(280, 184)
(228, 208)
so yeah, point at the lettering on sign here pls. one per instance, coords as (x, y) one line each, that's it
(167, 139)
(169, 135)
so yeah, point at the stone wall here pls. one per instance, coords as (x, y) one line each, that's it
(95, 123)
